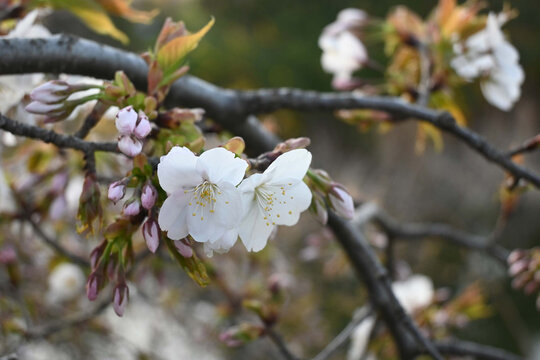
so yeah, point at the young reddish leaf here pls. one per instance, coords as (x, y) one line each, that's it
(121, 8)
(171, 55)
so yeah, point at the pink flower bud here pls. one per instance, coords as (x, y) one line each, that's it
(36, 107)
(133, 208)
(126, 120)
(120, 298)
(130, 146)
(92, 286)
(518, 267)
(184, 248)
(96, 254)
(143, 127)
(7, 255)
(117, 190)
(59, 182)
(148, 196)
(58, 207)
(150, 232)
(341, 202)
(51, 92)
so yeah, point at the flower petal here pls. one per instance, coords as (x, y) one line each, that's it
(222, 245)
(220, 165)
(228, 206)
(254, 230)
(177, 170)
(289, 202)
(291, 165)
(204, 225)
(172, 216)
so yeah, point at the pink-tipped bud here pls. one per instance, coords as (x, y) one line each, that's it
(184, 248)
(36, 107)
(58, 207)
(518, 267)
(132, 208)
(51, 92)
(341, 202)
(120, 298)
(143, 127)
(148, 196)
(151, 232)
(96, 254)
(92, 286)
(117, 191)
(516, 255)
(126, 120)
(59, 182)
(130, 146)
(7, 255)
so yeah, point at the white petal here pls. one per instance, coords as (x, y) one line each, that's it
(289, 202)
(222, 245)
(254, 230)
(177, 170)
(496, 94)
(172, 216)
(228, 206)
(204, 225)
(220, 165)
(291, 165)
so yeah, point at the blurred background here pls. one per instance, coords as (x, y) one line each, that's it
(268, 43)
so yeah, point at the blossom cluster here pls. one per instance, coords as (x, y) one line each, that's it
(209, 199)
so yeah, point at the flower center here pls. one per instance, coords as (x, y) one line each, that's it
(204, 195)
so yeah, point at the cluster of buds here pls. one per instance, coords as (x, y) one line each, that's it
(106, 266)
(143, 199)
(327, 192)
(524, 267)
(51, 99)
(133, 128)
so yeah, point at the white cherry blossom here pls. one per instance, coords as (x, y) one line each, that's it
(203, 199)
(343, 51)
(488, 55)
(275, 197)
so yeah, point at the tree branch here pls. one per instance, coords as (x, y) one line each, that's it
(344, 335)
(280, 344)
(67, 322)
(52, 137)
(414, 231)
(478, 351)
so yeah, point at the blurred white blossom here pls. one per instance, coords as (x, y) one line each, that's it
(343, 51)
(488, 55)
(66, 282)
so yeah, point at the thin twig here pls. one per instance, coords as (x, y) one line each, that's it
(48, 329)
(280, 344)
(478, 351)
(55, 245)
(414, 231)
(91, 120)
(52, 137)
(424, 84)
(358, 317)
